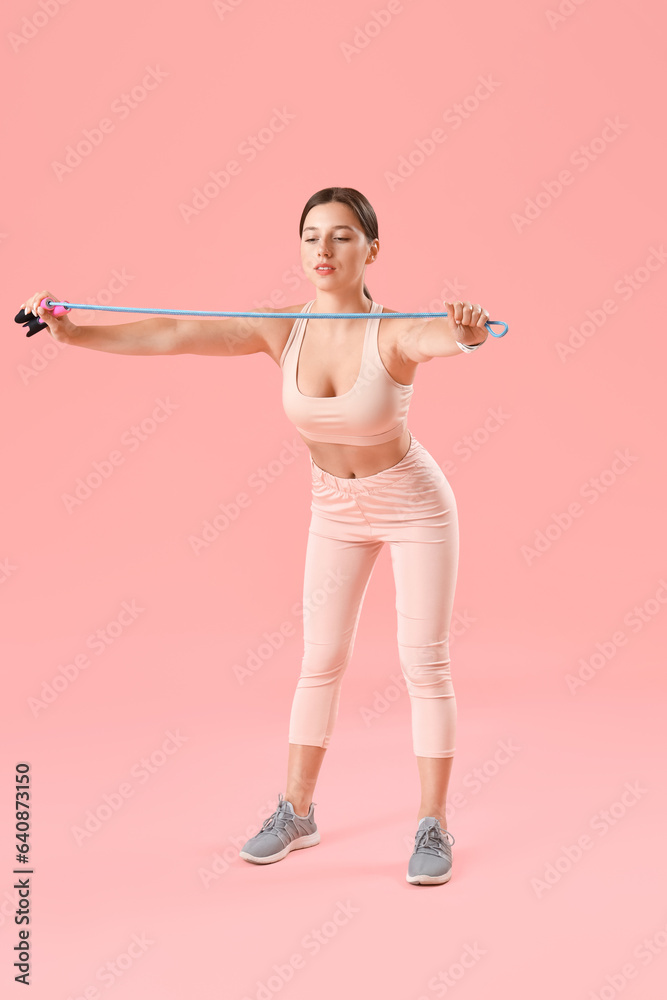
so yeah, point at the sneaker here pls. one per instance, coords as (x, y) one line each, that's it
(431, 861)
(283, 831)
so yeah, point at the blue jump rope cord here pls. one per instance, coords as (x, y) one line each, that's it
(201, 312)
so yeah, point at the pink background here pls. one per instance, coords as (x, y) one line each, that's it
(360, 97)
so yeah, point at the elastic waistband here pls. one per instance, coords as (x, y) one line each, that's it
(363, 484)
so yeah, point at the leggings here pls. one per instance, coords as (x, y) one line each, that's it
(411, 506)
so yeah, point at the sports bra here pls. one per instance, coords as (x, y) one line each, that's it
(373, 411)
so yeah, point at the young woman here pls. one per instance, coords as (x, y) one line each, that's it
(347, 387)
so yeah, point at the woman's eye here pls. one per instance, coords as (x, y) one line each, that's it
(341, 239)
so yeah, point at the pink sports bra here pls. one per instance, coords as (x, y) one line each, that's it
(374, 410)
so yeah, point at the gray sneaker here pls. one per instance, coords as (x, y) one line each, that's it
(431, 862)
(283, 831)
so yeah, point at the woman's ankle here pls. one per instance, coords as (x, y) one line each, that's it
(439, 815)
(300, 807)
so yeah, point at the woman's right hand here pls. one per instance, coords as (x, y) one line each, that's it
(60, 327)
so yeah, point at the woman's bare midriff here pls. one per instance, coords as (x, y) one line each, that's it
(351, 461)
(348, 461)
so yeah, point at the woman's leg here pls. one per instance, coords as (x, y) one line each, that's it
(303, 768)
(434, 775)
(336, 577)
(425, 575)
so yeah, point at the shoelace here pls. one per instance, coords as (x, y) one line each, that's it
(278, 820)
(432, 840)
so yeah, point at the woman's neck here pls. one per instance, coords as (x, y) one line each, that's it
(345, 302)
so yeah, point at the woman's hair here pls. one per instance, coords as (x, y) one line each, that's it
(359, 204)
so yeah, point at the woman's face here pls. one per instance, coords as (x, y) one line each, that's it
(332, 236)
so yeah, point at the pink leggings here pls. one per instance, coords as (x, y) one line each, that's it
(410, 505)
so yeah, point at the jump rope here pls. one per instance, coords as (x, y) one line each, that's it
(34, 324)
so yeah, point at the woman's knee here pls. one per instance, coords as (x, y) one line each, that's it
(323, 664)
(427, 671)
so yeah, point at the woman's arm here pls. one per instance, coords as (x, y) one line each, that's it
(169, 335)
(147, 336)
(440, 338)
(229, 335)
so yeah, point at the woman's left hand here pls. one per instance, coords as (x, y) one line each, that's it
(466, 322)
